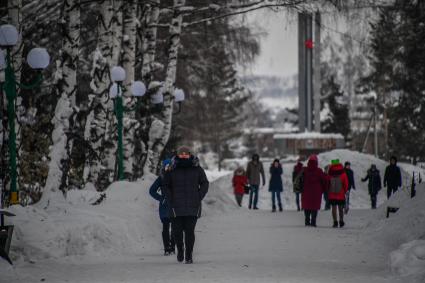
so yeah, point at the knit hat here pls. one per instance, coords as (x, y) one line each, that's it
(183, 149)
(335, 161)
(313, 157)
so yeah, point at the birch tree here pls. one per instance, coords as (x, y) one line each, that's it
(63, 120)
(99, 132)
(149, 42)
(128, 63)
(160, 132)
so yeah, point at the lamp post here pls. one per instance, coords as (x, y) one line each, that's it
(38, 59)
(138, 90)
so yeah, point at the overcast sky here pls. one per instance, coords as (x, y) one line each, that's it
(279, 47)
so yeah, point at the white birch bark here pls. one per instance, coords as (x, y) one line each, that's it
(157, 143)
(129, 62)
(149, 52)
(64, 118)
(100, 165)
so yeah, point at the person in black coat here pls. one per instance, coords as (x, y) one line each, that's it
(374, 184)
(275, 185)
(156, 191)
(185, 185)
(351, 185)
(392, 177)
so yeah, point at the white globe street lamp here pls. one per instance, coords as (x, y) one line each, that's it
(38, 59)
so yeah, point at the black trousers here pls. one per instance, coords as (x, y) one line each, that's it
(239, 199)
(310, 217)
(373, 200)
(167, 235)
(184, 225)
(391, 190)
(297, 200)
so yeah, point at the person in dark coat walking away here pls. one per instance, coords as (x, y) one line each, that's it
(351, 184)
(254, 170)
(338, 187)
(314, 184)
(276, 186)
(239, 182)
(297, 170)
(157, 192)
(374, 185)
(392, 177)
(186, 186)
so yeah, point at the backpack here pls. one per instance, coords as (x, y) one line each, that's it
(299, 182)
(335, 185)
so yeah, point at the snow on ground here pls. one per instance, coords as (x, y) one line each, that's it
(119, 239)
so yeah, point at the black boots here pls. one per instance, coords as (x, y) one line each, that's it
(341, 224)
(180, 253)
(335, 224)
(274, 208)
(280, 207)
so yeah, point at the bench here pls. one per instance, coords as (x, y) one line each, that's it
(6, 232)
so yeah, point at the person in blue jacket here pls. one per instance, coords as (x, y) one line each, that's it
(276, 186)
(156, 191)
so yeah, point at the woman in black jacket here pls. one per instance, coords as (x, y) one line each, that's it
(185, 186)
(276, 186)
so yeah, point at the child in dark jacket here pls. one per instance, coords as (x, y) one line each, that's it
(157, 193)
(374, 184)
(239, 182)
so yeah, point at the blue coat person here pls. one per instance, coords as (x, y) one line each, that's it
(276, 184)
(157, 193)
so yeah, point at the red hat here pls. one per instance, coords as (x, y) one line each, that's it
(313, 157)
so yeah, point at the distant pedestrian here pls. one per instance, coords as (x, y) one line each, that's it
(276, 185)
(392, 177)
(351, 184)
(314, 184)
(297, 170)
(325, 193)
(374, 185)
(186, 186)
(239, 182)
(254, 171)
(157, 192)
(338, 187)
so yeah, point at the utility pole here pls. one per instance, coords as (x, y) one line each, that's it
(375, 118)
(316, 71)
(301, 72)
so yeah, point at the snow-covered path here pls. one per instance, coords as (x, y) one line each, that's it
(242, 246)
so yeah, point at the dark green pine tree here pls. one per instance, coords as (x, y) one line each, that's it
(337, 119)
(407, 116)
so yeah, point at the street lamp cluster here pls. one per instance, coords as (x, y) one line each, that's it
(38, 59)
(138, 90)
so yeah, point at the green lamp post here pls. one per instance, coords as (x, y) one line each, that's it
(138, 90)
(38, 59)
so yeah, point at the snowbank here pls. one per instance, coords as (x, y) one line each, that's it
(125, 222)
(409, 261)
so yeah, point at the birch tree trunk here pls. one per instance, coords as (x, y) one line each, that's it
(129, 63)
(65, 112)
(160, 132)
(149, 52)
(100, 165)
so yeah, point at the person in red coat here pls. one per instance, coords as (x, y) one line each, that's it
(314, 184)
(338, 187)
(239, 182)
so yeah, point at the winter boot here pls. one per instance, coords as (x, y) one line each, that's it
(274, 208)
(280, 207)
(188, 257)
(341, 224)
(307, 222)
(249, 206)
(255, 207)
(180, 253)
(335, 224)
